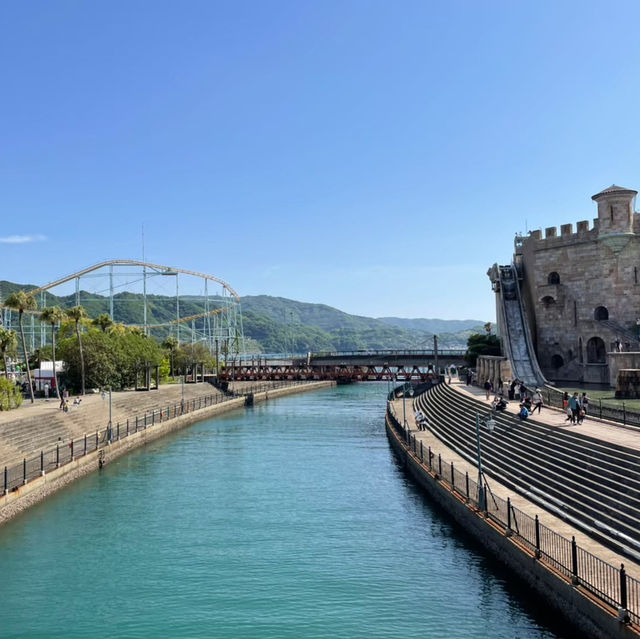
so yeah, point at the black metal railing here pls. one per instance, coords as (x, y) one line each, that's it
(610, 584)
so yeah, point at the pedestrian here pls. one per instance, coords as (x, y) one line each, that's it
(512, 389)
(537, 401)
(523, 390)
(468, 378)
(46, 392)
(584, 406)
(524, 412)
(487, 389)
(574, 405)
(565, 400)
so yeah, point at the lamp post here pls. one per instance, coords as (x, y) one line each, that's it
(182, 400)
(404, 408)
(490, 423)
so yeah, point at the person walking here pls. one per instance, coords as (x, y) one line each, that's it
(537, 401)
(487, 389)
(574, 405)
(584, 407)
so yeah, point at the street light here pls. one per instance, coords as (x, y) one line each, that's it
(404, 409)
(490, 424)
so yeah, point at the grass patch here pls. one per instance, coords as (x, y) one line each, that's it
(607, 397)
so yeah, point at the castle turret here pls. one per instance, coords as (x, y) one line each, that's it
(615, 210)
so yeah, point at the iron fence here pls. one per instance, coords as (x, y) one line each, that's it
(610, 584)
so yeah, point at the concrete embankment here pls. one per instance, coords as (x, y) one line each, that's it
(35, 490)
(581, 608)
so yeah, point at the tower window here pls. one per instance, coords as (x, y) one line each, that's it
(601, 313)
(553, 278)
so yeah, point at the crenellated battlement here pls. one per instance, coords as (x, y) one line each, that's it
(566, 235)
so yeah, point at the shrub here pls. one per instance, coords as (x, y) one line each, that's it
(10, 394)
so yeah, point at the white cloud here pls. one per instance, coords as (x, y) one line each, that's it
(22, 239)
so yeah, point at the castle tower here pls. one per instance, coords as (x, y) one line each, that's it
(615, 210)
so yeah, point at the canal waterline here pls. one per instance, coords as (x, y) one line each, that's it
(289, 519)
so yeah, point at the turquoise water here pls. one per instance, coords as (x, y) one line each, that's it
(292, 519)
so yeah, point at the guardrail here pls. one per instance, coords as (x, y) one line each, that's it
(611, 585)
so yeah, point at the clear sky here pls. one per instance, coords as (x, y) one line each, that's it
(374, 156)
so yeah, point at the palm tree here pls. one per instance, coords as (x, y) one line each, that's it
(8, 343)
(21, 302)
(103, 321)
(53, 315)
(171, 344)
(78, 314)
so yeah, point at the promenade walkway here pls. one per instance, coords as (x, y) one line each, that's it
(605, 431)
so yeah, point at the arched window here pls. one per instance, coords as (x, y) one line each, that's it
(601, 313)
(596, 352)
(553, 278)
(557, 361)
(547, 300)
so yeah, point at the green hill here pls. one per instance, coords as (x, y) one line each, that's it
(277, 324)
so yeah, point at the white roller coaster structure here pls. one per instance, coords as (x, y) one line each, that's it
(216, 322)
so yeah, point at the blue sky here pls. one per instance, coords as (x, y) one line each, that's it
(374, 156)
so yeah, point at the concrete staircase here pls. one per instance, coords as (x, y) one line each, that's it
(25, 435)
(592, 484)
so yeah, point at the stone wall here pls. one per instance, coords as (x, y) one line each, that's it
(582, 290)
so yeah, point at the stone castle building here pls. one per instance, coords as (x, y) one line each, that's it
(580, 292)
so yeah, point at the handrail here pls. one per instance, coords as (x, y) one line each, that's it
(548, 546)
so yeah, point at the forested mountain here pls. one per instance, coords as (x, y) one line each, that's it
(277, 324)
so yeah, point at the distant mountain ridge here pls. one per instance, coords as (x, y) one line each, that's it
(278, 324)
(433, 326)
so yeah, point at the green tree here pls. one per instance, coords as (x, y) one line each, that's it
(21, 302)
(8, 345)
(171, 344)
(53, 315)
(103, 321)
(78, 315)
(479, 344)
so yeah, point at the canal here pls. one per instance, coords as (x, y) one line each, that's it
(290, 519)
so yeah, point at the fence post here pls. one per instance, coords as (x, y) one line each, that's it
(508, 516)
(575, 580)
(118, 431)
(439, 465)
(153, 417)
(127, 427)
(538, 553)
(71, 449)
(453, 481)
(624, 415)
(623, 615)
(136, 424)
(600, 402)
(42, 462)
(57, 455)
(96, 440)
(421, 452)
(85, 443)
(24, 470)
(466, 484)
(6, 480)
(430, 456)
